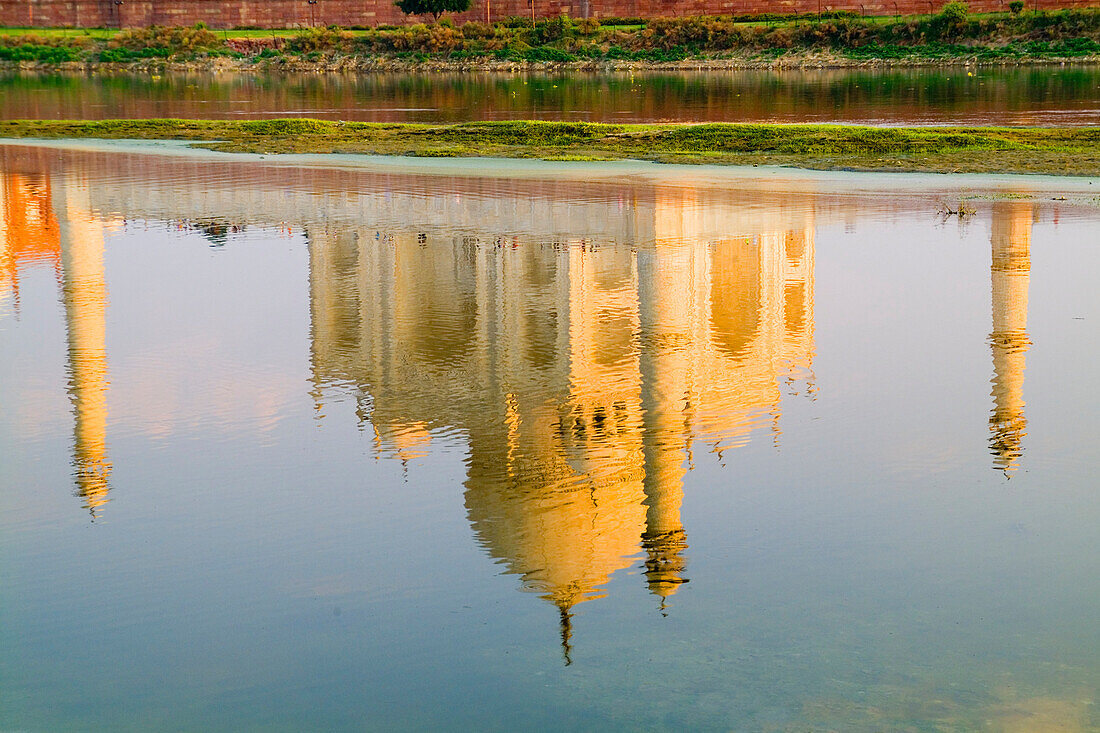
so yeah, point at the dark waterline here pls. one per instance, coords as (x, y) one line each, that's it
(1045, 96)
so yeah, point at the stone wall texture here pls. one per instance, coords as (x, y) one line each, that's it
(348, 13)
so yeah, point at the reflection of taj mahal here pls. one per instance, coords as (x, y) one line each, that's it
(586, 347)
(581, 372)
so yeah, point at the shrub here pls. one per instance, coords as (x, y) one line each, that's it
(586, 27)
(611, 21)
(691, 32)
(952, 21)
(1016, 6)
(176, 41)
(416, 38)
(252, 46)
(318, 39)
(545, 53)
(553, 29)
(122, 55)
(44, 49)
(38, 52)
(955, 13)
(515, 21)
(475, 31)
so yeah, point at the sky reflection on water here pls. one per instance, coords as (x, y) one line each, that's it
(761, 446)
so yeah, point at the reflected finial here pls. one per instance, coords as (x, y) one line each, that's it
(362, 411)
(92, 476)
(318, 400)
(1006, 440)
(777, 431)
(664, 563)
(566, 619)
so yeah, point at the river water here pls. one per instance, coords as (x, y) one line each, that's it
(1047, 95)
(334, 444)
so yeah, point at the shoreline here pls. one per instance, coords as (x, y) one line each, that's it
(864, 183)
(988, 150)
(383, 64)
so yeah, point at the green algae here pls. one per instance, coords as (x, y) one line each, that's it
(1055, 151)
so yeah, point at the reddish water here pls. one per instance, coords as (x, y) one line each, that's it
(957, 96)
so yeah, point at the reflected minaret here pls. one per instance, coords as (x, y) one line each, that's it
(1011, 244)
(84, 294)
(665, 299)
(28, 228)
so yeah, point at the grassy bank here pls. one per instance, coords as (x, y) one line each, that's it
(1063, 151)
(950, 35)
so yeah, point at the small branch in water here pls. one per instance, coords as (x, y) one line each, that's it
(962, 212)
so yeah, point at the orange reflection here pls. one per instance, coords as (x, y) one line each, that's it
(84, 293)
(1010, 274)
(28, 228)
(582, 371)
(46, 219)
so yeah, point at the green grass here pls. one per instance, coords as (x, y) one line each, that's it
(59, 32)
(1064, 151)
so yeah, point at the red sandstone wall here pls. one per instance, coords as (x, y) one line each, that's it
(292, 13)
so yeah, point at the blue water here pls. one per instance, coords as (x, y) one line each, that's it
(292, 447)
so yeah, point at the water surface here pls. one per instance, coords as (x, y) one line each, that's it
(1043, 95)
(302, 447)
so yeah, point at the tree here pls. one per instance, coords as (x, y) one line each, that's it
(955, 13)
(434, 8)
(952, 20)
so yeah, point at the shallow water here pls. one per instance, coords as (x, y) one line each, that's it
(1046, 95)
(299, 447)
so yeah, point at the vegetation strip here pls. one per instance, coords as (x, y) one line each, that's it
(951, 34)
(1056, 151)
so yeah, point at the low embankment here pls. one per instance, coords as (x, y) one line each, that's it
(832, 39)
(1062, 151)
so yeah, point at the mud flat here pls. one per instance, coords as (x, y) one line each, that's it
(1051, 151)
